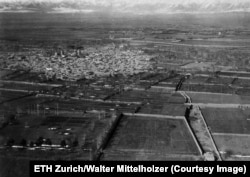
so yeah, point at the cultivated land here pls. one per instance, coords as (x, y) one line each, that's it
(218, 98)
(230, 130)
(156, 138)
(233, 147)
(225, 114)
(227, 120)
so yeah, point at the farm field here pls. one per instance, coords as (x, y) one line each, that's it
(176, 98)
(231, 145)
(209, 80)
(164, 88)
(242, 82)
(166, 84)
(149, 96)
(235, 73)
(24, 102)
(150, 135)
(207, 88)
(22, 86)
(227, 120)
(197, 97)
(196, 80)
(244, 91)
(87, 130)
(164, 109)
(9, 95)
(21, 75)
(230, 85)
(86, 105)
(142, 155)
(174, 80)
(230, 130)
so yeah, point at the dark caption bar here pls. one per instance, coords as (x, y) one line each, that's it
(117, 168)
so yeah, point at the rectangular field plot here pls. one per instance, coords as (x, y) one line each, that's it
(21, 75)
(154, 77)
(197, 97)
(9, 95)
(207, 87)
(197, 80)
(149, 96)
(227, 120)
(235, 74)
(174, 80)
(242, 82)
(82, 105)
(164, 109)
(232, 145)
(24, 86)
(209, 80)
(154, 137)
(166, 85)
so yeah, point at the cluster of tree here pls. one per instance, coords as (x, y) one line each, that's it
(64, 143)
(39, 142)
(187, 112)
(178, 86)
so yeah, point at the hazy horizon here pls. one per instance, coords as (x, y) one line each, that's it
(126, 6)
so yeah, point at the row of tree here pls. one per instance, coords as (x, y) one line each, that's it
(41, 141)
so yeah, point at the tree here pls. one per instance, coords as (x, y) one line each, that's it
(39, 141)
(10, 142)
(75, 143)
(31, 144)
(23, 142)
(63, 143)
(187, 112)
(48, 142)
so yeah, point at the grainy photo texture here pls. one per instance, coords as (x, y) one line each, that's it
(123, 80)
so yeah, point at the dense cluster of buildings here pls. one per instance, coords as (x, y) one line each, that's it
(106, 60)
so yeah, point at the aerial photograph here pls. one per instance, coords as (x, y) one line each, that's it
(123, 80)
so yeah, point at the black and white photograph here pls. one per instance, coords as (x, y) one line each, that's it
(123, 80)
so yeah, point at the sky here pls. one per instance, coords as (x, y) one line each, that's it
(142, 6)
(136, 1)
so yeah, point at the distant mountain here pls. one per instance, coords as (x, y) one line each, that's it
(127, 6)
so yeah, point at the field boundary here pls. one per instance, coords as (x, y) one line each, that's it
(239, 77)
(211, 137)
(230, 134)
(14, 90)
(185, 96)
(218, 105)
(31, 83)
(194, 137)
(86, 99)
(154, 116)
(209, 93)
(162, 87)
